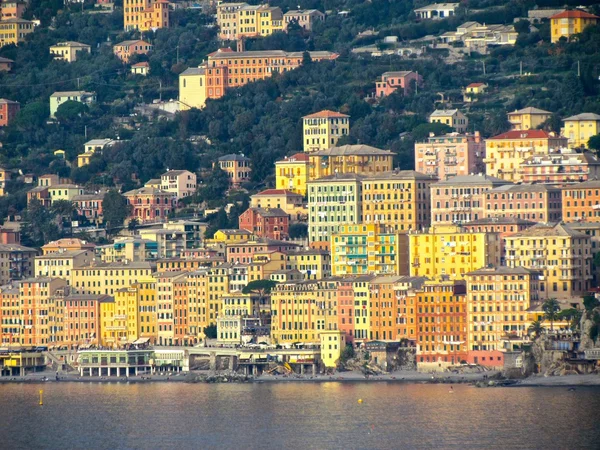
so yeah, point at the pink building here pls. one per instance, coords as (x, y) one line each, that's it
(561, 166)
(450, 155)
(81, 320)
(89, 206)
(150, 204)
(345, 308)
(535, 202)
(391, 81)
(126, 49)
(460, 199)
(243, 252)
(271, 223)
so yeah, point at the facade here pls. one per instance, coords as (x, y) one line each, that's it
(12, 9)
(535, 202)
(182, 183)
(450, 155)
(322, 130)
(392, 81)
(398, 199)
(451, 251)
(64, 192)
(451, 117)
(460, 199)
(368, 249)
(150, 204)
(528, 118)
(498, 299)
(82, 317)
(67, 51)
(16, 262)
(237, 167)
(141, 68)
(90, 206)
(61, 264)
(10, 315)
(291, 173)
(8, 111)
(107, 278)
(90, 148)
(145, 15)
(562, 254)
(192, 88)
(505, 153)
(6, 65)
(13, 31)
(240, 20)
(124, 50)
(291, 203)
(348, 159)
(580, 128)
(333, 200)
(227, 20)
(67, 244)
(304, 18)
(562, 166)
(437, 11)
(569, 23)
(271, 223)
(581, 202)
(472, 91)
(58, 98)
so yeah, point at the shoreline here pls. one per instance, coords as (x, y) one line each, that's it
(475, 380)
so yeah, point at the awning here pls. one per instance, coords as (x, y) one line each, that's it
(141, 341)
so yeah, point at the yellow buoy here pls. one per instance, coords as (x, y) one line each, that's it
(41, 397)
(360, 400)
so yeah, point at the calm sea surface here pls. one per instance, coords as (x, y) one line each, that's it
(296, 416)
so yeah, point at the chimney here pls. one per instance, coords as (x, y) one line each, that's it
(240, 45)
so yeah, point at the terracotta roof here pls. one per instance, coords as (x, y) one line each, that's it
(524, 134)
(325, 114)
(141, 64)
(575, 14)
(476, 85)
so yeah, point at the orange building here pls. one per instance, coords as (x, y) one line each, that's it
(237, 167)
(10, 315)
(81, 319)
(8, 111)
(581, 202)
(145, 15)
(124, 50)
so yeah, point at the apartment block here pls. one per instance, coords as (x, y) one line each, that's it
(527, 118)
(581, 202)
(561, 166)
(535, 202)
(145, 15)
(322, 130)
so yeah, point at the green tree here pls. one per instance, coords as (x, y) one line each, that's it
(590, 302)
(115, 210)
(573, 315)
(421, 132)
(215, 186)
(70, 111)
(210, 331)
(32, 116)
(133, 224)
(594, 143)
(551, 308)
(536, 328)
(261, 288)
(298, 231)
(38, 226)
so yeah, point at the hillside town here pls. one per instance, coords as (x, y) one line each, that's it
(466, 240)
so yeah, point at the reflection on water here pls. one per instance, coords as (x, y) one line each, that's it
(296, 415)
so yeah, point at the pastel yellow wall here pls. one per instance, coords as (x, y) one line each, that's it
(192, 91)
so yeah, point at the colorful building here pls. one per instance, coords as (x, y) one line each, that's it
(150, 204)
(227, 20)
(8, 111)
(562, 254)
(581, 202)
(290, 202)
(61, 264)
(436, 11)
(141, 68)
(192, 88)
(569, 23)
(451, 117)
(580, 128)
(304, 18)
(368, 249)
(473, 90)
(528, 118)
(451, 251)
(90, 206)
(450, 155)
(398, 199)
(58, 98)
(561, 166)
(12, 9)
(535, 202)
(322, 130)
(291, 173)
(271, 223)
(10, 315)
(460, 199)
(359, 159)
(67, 51)
(240, 20)
(16, 262)
(505, 153)
(237, 167)
(13, 31)
(182, 183)
(126, 49)
(107, 278)
(392, 81)
(145, 15)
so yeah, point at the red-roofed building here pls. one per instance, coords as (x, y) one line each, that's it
(271, 223)
(506, 152)
(391, 81)
(322, 130)
(291, 173)
(473, 90)
(569, 23)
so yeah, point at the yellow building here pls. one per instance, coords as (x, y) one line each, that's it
(568, 23)
(333, 343)
(62, 263)
(229, 236)
(322, 130)
(497, 302)
(205, 290)
(473, 90)
(227, 20)
(106, 278)
(145, 15)
(64, 192)
(359, 159)
(368, 249)
(528, 118)
(192, 88)
(313, 264)
(290, 202)
(580, 128)
(13, 31)
(399, 199)
(562, 254)
(452, 251)
(240, 20)
(451, 117)
(67, 51)
(506, 152)
(291, 173)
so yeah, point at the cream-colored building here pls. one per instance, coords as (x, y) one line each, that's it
(451, 117)
(62, 263)
(67, 51)
(322, 130)
(180, 182)
(580, 128)
(528, 118)
(359, 159)
(58, 98)
(290, 202)
(103, 278)
(192, 88)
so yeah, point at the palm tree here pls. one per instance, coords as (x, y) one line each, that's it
(551, 308)
(536, 328)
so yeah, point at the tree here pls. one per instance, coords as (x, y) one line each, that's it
(590, 302)
(551, 308)
(594, 143)
(261, 288)
(133, 224)
(421, 132)
(298, 230)
(115, 210)
(536, 328)
(573, 315)
(38, 226)
(71, 110)
(210, 332)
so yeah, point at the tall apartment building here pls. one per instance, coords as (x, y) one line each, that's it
(528, 118)
(460, 199)
(359, 159)
(581, 202)
(535, 202)
(322, 130)
(291, 173)
(240, 20)
(450, 155)
(561, 166)
(145, 15)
